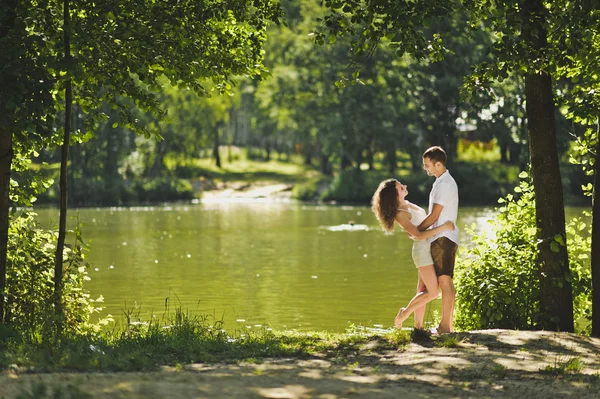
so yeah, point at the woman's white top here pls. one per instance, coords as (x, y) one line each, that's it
(421, 250)
(445, 193)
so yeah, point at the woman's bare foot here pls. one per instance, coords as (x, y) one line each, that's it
(400, 317)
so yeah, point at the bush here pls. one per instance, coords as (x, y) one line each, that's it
(477, 183)
(310, 190)
(30, 279)
(164, 188)
(483, 183)
(498, 278)
(100, 192)
(353, 185)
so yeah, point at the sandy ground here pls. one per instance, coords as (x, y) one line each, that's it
(481, 364)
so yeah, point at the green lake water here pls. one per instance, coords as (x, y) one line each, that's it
(284, 265)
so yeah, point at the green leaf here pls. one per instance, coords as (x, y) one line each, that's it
(559, 239)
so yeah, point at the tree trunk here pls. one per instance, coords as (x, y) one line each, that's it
(112, 187)
(308, 156)
(450, 144)
(556, 297)
(595, 261)
(62, 226)
(7, 114)
(216, 148)
(391, 159)
(158, 163)
(6, 155)
(359, 159)
(370, 157)
(504, 146)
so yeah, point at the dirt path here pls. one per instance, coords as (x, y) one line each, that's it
(480, 364)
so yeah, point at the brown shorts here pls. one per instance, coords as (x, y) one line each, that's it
(443, 252)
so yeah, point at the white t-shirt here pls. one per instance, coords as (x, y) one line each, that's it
(445, 193)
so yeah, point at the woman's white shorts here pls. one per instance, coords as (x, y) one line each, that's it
(421, 253)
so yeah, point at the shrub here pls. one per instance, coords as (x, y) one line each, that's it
(498, 278)
(354, 185)
(30, 279)
(310, 189)
(483, 183)
(164, 188)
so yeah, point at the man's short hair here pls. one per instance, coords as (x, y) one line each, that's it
(436, 154)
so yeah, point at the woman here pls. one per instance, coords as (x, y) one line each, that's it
(390, 207)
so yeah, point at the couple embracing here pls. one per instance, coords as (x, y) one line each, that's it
(435, 236)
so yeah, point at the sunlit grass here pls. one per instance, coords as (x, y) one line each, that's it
(448, 341)
(245, 165)
(240, 167)
(564, 365)
(182, 338)
(478, 151)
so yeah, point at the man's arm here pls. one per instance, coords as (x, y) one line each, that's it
(432, 217)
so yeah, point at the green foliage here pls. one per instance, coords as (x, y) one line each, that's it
(98, 192)
(483, 183)
(353, 185)
(29, 279)
(401, 22)
(564, 365)
(311, 189)
(477, 183)
(164, 189)
(498, 276)
(448, 341)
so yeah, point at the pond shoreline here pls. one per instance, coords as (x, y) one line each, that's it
(244, 190)
(477, 364)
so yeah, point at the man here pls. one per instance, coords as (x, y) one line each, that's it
(443, 206)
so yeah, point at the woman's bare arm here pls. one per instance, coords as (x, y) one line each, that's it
(404, 221)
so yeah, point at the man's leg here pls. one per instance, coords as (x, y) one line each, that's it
(448, 298)
(443, 252)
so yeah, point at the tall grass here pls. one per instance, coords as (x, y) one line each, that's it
(176, 339)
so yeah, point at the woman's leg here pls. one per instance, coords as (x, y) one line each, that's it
(427, 274)
(420, 312)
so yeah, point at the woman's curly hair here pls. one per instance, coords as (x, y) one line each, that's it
(385, 204)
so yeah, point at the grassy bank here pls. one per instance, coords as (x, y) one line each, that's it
(193, 358)
(179, 340)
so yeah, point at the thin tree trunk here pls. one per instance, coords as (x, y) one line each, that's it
(62, 230)
(7, 114)
(504, 151)
(595, 260)
(391, 159)
(158, 163)
(370, 157)
(216, 147)
(556, 297)
(6, 155)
